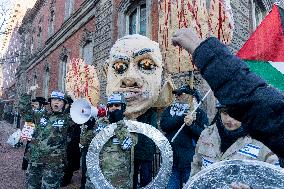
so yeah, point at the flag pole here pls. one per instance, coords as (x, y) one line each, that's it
(183, 125)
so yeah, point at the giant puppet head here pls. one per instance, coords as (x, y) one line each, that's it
(135, 69)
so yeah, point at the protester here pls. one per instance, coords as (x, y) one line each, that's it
(38, 110)
(249, 98)
(31, 111)
(144, 152)
(49, 146)
(226, 139)
(172, 118)
(88, 131)
(115, 157)
(73, 149)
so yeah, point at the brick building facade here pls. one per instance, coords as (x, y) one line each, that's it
(53, 32)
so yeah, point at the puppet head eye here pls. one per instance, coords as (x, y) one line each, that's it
(146, 64)
(120, 67)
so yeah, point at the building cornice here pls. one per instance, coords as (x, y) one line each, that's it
(68, 28)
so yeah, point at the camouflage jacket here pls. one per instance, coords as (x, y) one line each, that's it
(88, 134)
(50, 139)
(115, 157)
(208, 150)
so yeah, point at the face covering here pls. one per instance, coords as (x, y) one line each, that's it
(115, 116)
(229, 137)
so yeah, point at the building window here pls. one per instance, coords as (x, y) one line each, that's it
(63, 71)
(51, 23)
(258, 14)
(68, 8)
(32, 45)
(136, 20)
(46, 82)
(34, 83)
(87, 52)
(39, 35)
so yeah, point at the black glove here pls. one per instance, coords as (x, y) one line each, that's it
(115, 116)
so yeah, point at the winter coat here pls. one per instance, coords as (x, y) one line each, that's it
(208, 150)
(257, 105)
(145, 148)
(183, 146)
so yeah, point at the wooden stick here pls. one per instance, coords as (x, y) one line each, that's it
(191, 84)
(191, 114)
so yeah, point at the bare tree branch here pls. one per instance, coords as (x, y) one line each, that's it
(4, 15)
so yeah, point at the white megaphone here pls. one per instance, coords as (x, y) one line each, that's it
(82, 110)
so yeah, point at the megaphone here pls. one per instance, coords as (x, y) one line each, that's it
(82, 110)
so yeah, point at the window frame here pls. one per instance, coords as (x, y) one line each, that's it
(125, 7)
(34, 83)
(88, 42)
(69, 7)
(46, 82)
(63, 72)
(51, 23)
(136, 7)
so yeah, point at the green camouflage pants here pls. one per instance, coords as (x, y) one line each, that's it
(44, 177)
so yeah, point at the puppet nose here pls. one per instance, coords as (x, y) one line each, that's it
(130, 82)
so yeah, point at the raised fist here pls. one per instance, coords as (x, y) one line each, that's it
(33, 88)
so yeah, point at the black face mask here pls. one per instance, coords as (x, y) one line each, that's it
(115, 116)
(229, 137)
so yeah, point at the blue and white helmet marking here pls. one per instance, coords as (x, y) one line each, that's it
(57, 95)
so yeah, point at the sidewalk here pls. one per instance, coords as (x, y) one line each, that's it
(11, 174)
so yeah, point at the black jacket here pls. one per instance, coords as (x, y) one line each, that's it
(145, 148)
(183, 146)
(258, 106)
(73, 149)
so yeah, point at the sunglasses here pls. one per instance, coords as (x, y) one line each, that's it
(115, 105)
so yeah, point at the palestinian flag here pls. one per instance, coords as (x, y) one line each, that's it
(264, 50)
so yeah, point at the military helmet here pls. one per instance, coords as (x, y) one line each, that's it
(57, 95)
(116, 98)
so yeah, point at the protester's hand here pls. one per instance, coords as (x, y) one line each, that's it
(236, 185)
(32, 88)
(188, 119)
(186, 38)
